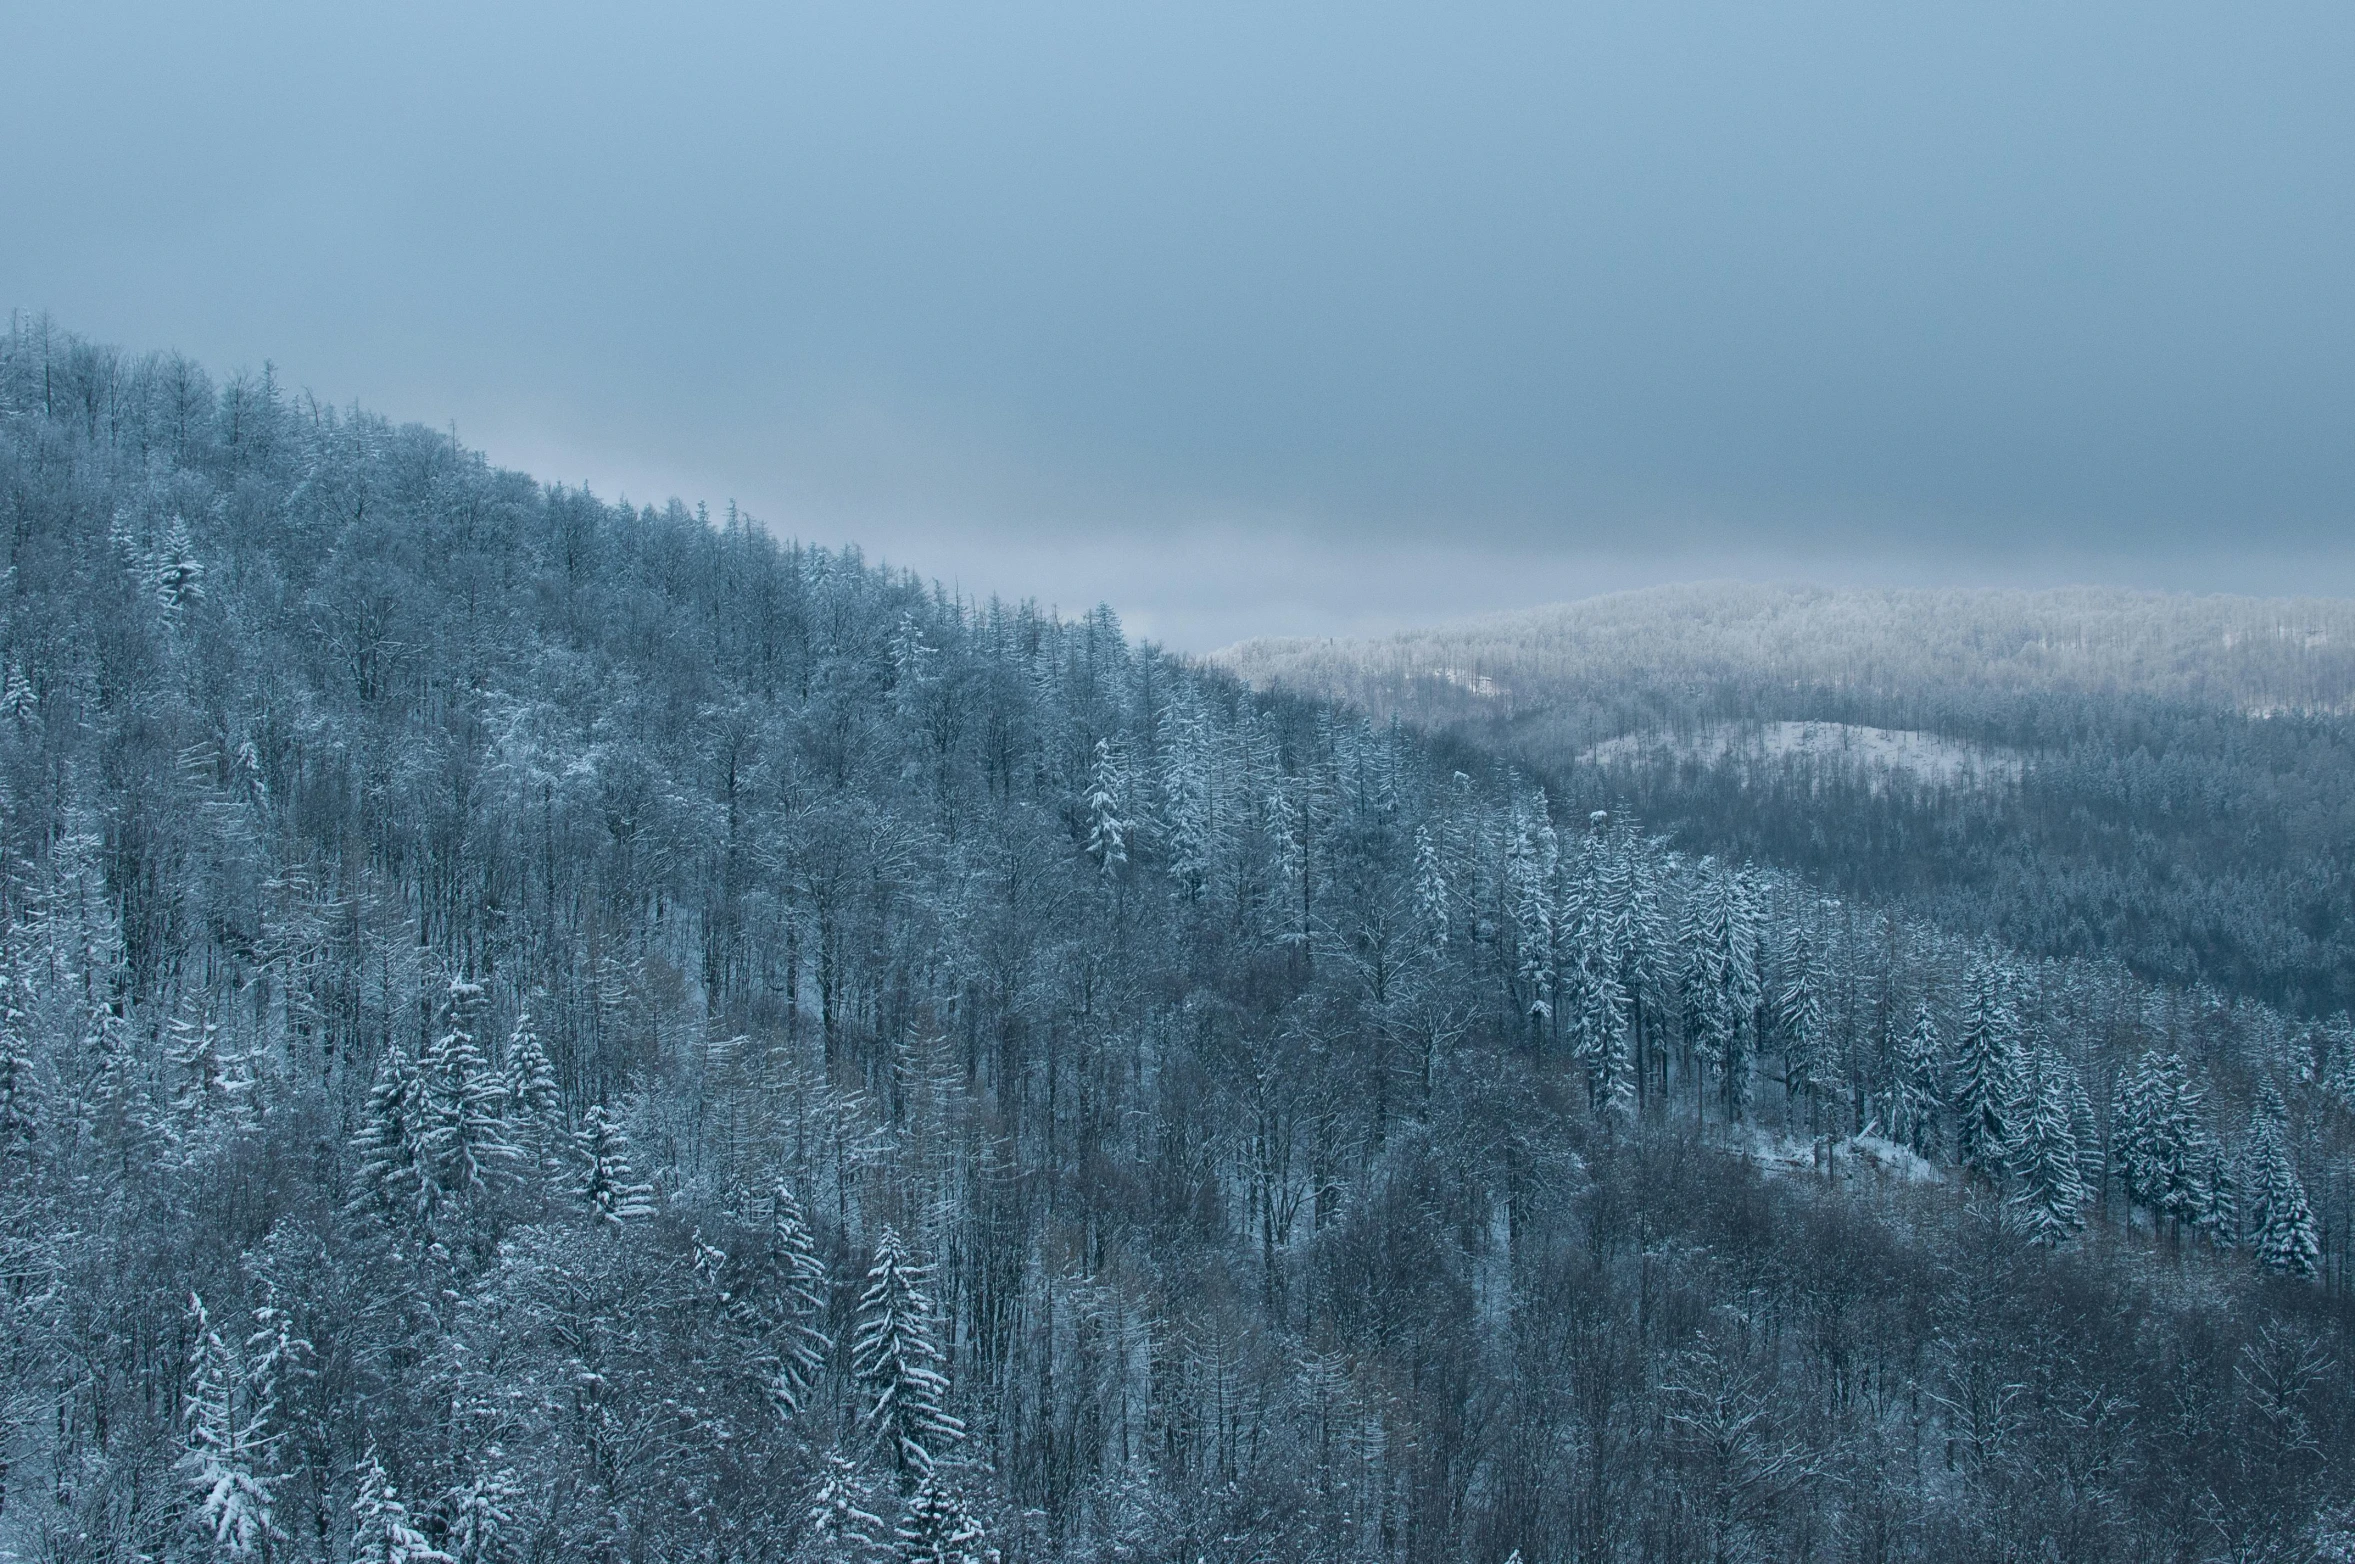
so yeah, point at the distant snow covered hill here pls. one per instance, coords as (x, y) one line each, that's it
(2165, 778)
(2252, 655)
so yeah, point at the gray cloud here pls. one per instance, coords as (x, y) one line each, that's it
(1157, 303)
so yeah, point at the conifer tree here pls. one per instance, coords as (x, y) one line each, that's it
(2093, 1170)
(382, 1531)
(2214, 1202)
(1107, 810)
(1284, 823)
(912, 663)
(2050, 1198)
(1645, 947)
(20, 703)
(839, 1521)
(277, 1358)
(2166, 1160)
(1189, 818)
(212, 1094)
(175, 572)
(1986, 1087)
(1598, 1029)
(1594, 997)
(1801, 1024)
(1746, 977)
(1533, 855)
(482, 1515)
(2335, 1066)
(231, 1448)
(20, 1118)
(609, 1182)
(2135, 1114)
(790, 1301)
(896, 1359)
(533, 1100)
(392, 1174)
(463, 1143)
(2281, 1221)
(935, 1529)
(1705, 950)
(1431, 895)
(1915, 1092)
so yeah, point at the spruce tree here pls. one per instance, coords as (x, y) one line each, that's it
(912, 664)
(534, 1102)
(1107, 810)
(1432, 911)
(789, 1301)
(1592, 995)
(1986, 1079)
(2165, 1158)
(174, 571)
(1598, 1028)
(2215, 1201)
(464, 1142)
(1532, 860)
(212, 1094)
(20, 703)
(482, 1512)
(1189, 819)
(231, 1448)
(1705, 957)
(393, 1177)
(896, 1359)
(2334, 1068)
(839, 1520)
(1745, 928)
(382, 1531)
(2092, 1166)
(2133, 1135)
(20, 1119)
(1915, 1092)
(2281, 1222)
(935, 1529)
(2049, 1200)
(1801, 1025)
(609, 1183)
(1646, 956)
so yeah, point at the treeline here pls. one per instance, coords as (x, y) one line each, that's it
(541, 1029)
(1667, 652)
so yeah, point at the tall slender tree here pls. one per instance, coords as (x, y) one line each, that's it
(896, 1355)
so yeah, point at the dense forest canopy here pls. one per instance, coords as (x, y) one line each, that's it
(2166, 780)
(536, 1029)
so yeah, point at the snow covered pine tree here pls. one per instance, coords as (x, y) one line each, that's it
(896, 1358)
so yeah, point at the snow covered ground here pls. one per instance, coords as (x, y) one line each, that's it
(1851, 1156)
(1878, 752)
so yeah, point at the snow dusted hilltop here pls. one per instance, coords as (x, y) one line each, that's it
(538, 1029)
(2247, 654)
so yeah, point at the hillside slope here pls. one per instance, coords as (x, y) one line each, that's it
(538, 1029)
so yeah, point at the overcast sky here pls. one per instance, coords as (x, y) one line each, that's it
(1274, 318)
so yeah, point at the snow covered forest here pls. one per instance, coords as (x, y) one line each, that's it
(2164, 780)
(535, 1029)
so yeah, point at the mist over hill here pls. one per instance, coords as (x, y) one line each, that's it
(535, 1028)
(1677, 654)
